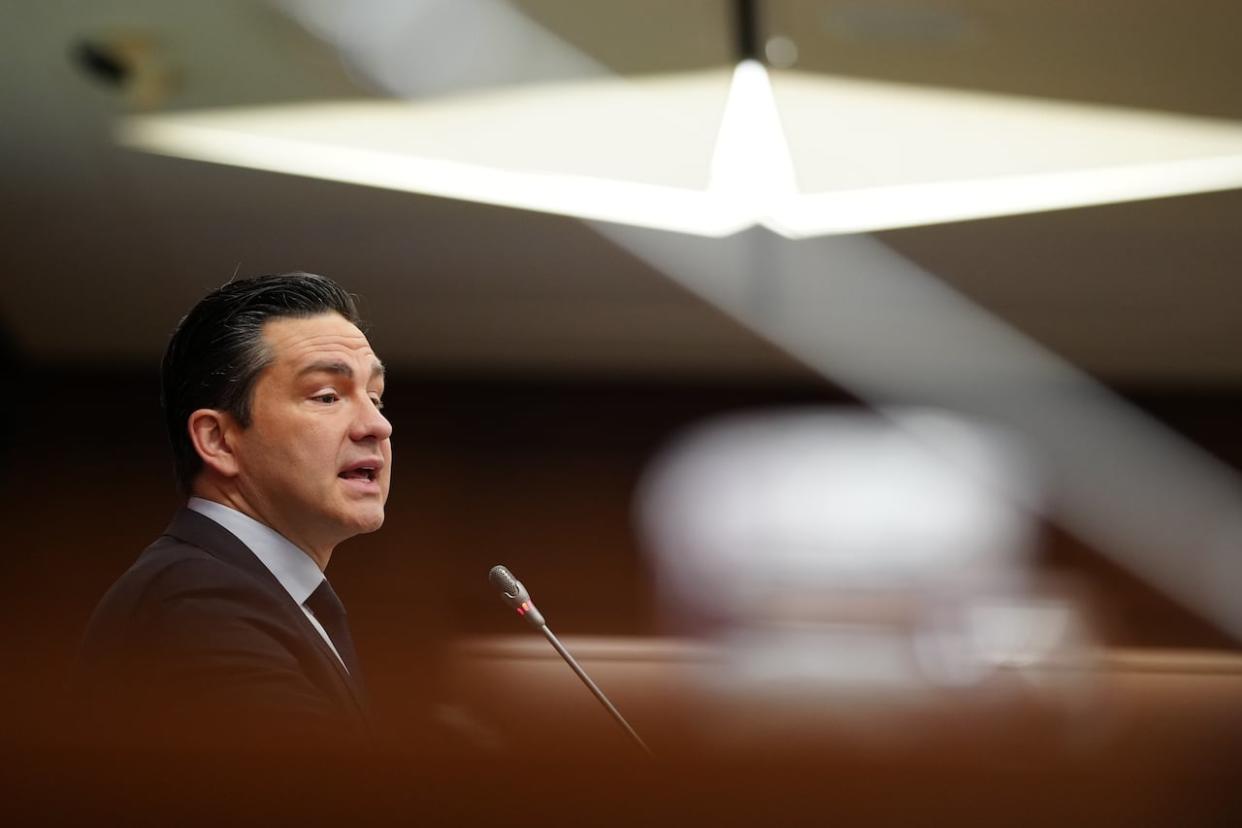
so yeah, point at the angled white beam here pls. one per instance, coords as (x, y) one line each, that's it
(878, 325)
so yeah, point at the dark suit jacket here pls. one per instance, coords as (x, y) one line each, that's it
(199, 645)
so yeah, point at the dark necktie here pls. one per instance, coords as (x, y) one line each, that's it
(330, 612)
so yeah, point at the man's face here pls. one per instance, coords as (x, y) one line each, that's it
(315, 462)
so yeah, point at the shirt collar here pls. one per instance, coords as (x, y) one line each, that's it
(295, 570)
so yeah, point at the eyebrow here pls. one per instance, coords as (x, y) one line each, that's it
(341, 368)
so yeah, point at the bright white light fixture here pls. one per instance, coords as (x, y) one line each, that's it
(711, 154)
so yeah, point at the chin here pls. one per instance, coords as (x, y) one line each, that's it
(368, 522)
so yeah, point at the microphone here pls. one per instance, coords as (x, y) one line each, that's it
(515, 595)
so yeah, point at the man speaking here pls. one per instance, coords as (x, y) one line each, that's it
(225, 633)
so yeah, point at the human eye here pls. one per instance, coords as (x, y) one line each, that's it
(325, 397)
(377, 401)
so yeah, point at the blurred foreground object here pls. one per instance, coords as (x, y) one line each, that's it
(856, 563)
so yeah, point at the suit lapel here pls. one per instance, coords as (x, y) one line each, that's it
(203, 532)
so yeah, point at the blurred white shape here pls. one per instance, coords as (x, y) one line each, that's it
(853, 551)
(744, 512)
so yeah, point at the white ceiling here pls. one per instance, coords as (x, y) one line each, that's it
(105, 248)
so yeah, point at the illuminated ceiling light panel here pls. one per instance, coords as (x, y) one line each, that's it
(872, 156)
(709, 154)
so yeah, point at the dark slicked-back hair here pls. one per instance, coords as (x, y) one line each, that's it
(217, 352)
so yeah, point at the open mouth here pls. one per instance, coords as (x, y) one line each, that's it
(361, 473)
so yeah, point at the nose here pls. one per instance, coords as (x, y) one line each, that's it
(370, 423)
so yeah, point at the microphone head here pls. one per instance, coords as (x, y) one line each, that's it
(504, 581)
(515, 595)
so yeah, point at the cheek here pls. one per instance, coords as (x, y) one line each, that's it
(311, 444)
(304, 451)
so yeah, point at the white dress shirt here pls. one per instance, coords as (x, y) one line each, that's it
(297, 573)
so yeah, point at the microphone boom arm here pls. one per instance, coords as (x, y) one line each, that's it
(515, 595)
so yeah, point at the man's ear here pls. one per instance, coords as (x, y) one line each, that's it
(212, 432)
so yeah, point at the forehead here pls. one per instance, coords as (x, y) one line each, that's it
(297, 341)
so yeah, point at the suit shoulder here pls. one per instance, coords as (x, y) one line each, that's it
(171, 567)
(170, 572)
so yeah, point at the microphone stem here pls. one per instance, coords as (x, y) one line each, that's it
(599, 694)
